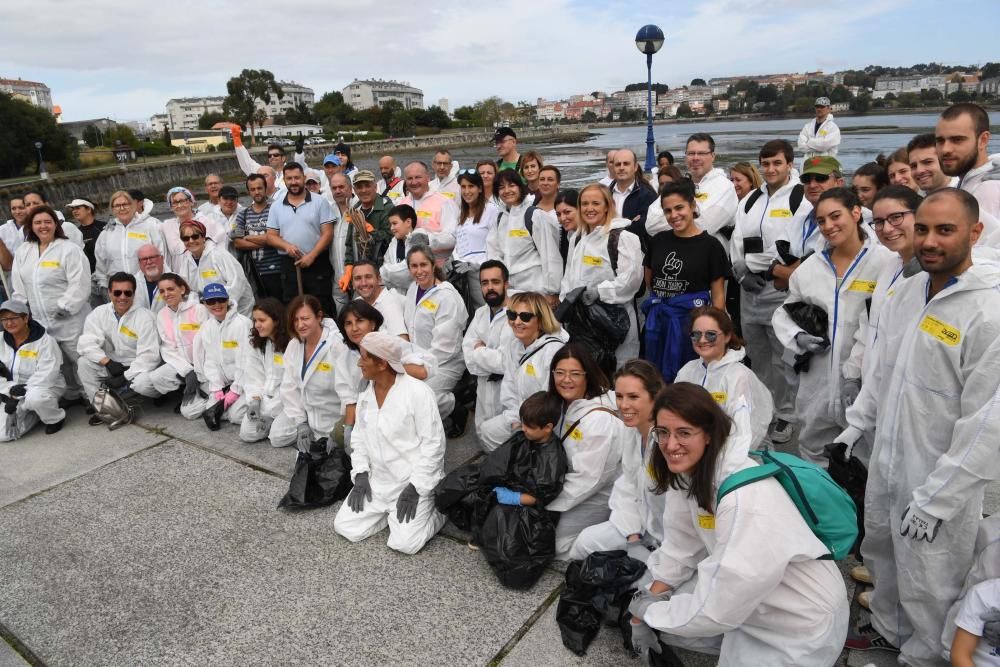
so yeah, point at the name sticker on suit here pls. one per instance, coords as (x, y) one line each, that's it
(49, 265)
(719, 397)
(944, 332)
(279, 360)
(518, 233)
(866, 286)
(28, 354)
(230, 344)
(590, 260)
(324, 367)
(780, 213)
(209, 273)
(128, 332)
(190, 326)
(428, 305)
(706, 521)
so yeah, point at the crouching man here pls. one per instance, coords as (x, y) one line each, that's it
(119, 345)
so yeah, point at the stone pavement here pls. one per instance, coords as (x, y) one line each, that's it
(160, 543)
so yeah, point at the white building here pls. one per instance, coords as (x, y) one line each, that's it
(289, 130)
(636, 99)
(183, 112)
(159, 122)
(444, 105)
(897, 85)
(294, 94)
(368, 93)
(30, 91)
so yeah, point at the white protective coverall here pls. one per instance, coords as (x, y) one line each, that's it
(589, 264)
(822, 141)
(733, 386)
(58, 279)
(532, 258)
(936, 440)
(487, 360)
(131, 340)
(767, 220)
(250, 166)
(218, 353)
(142, 295)
(525, 372)
(171, 230)
(262, 374)
(396, 273)
(716, 205)
(177, 331)
(594, 452)
(398, 443)
(983, 183)
(771, 600)
(435, 323)
(441, 238)
(390, 304)
(217, 266)
(35, 364)
(635, 508)
(308, 392)
(117, 246)
(448, 186)
(987, 566)
(818, 404)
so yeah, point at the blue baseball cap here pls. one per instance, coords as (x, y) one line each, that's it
(214, 291)
(332, 158)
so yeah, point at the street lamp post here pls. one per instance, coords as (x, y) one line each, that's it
(648, 40)
(41, 163)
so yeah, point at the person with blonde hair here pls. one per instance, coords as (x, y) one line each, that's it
(117, 246)
(605, 259)
(745, 178)
(527, 360)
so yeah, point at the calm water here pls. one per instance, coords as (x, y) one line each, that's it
(735, 141)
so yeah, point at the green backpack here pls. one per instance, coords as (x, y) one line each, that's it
(825, 506)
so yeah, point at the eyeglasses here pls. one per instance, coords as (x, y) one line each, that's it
(573, 375)
(213, 302)
(150, 259)
(122, 292)
(809, 178)
(682, 435)
(274, 155)
(710, 336)
(894, 219)
(8, 320)
(192, 237)
(698, 153)
(525, 317)
(178, 202)
(121, 207)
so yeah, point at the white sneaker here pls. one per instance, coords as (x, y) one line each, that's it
(781, 432)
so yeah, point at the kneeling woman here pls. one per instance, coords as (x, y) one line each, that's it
(263, 369)
(592, 435)
(31, 383)
(435, 318)
(720, 576)
(310, 407)
(398, 456)
(636, 521)
(217, 349)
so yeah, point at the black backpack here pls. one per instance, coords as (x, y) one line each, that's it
(798, 192)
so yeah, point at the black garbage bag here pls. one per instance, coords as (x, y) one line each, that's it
(852, 475)
(521, 465)
(813, 320)
(457, 496)
(319, 479)
(600, 327)
(518, 543)
(597, 590)
(579, 622)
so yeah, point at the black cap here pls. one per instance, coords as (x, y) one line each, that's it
(229, 192)
(343, 148)
(502, 133)
(136, 195)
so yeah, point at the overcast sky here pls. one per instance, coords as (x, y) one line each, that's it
(124, 60)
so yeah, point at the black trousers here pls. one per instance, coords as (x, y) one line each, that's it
(317, 280)
(272, 285)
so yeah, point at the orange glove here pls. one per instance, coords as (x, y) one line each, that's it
(369, 228)
(345, 280)
(237, 134)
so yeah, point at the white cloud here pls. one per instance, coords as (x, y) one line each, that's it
(112, 58)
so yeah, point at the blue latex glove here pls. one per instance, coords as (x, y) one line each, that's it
(507, 496)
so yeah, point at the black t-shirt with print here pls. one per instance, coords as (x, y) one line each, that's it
(90, 234)
(684, 265)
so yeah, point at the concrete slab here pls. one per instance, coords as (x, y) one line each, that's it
(38, 461)
(177, 555)
(9, 657)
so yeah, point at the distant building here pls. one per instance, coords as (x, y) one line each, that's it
(636, 99)
(444, 106)
(294, 94)
(840, 107)
(294, 130)
(159, 122)
(30, 91)
(720, 106)
(198, 141)
(183, 112)
(897, 85)
(550, 111)
(77, 127)
(364, 94)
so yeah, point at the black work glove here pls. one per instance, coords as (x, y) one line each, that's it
(362, 490)
(191, 385)
(4, 371)
(115, 368)
(117, 382)
(406, 506)
(18, 391)
(300, 144)
(10, 405)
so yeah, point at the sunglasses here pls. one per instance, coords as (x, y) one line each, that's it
(192, 237)
(213, 302)
(710, 336)
(122, 292)
(819, 178)
(525, 317)
(274, 155)
(468, 172)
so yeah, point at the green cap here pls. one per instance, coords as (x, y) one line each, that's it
(821, 164)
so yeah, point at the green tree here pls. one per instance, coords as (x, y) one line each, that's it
(990, 70)
(331, 110)
(120, 134)
(588, 116)
(909, 100)
(659, 88)
(804, 104)
(401, 123)
(300, 113)
(465, 113)
(24, 124)
(210, 118)
(488, 112)
(388, 109)
(931, 95)
(435, 116)
(861, 104)
(684, 110)
(92, 136)
(698, 82)
(840, 94)
(245, 91)
(959, 96)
